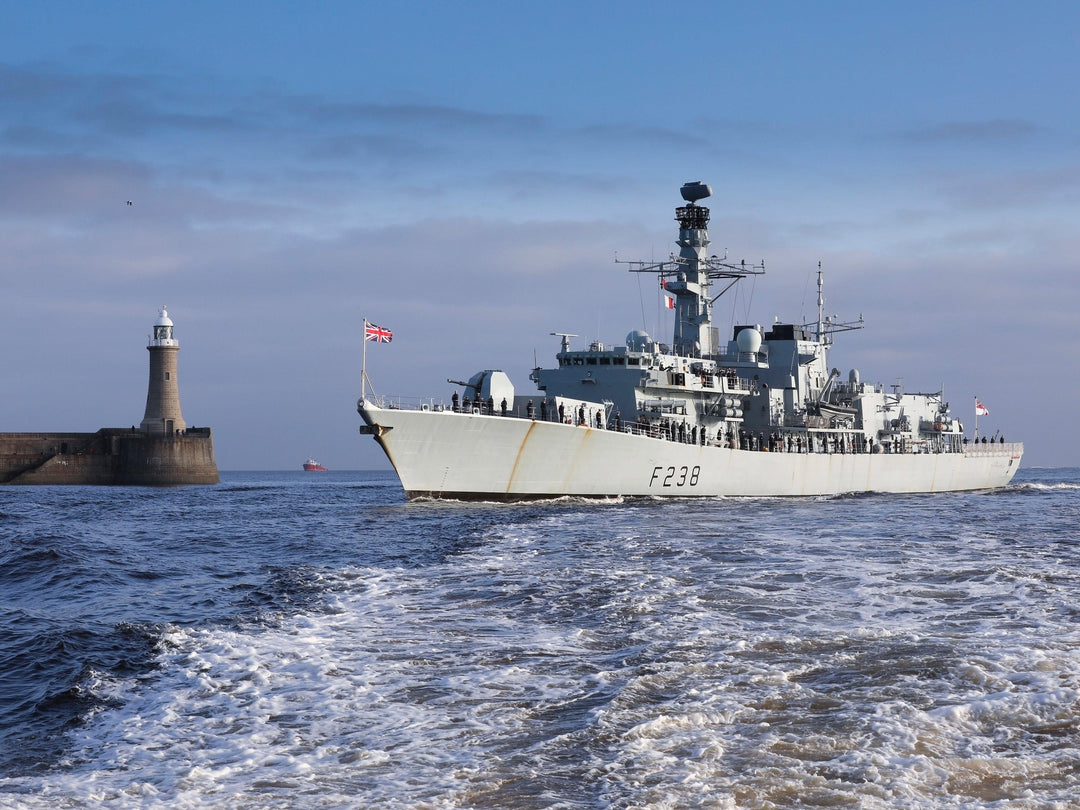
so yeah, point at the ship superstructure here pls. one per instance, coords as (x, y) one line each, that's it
(761, 414)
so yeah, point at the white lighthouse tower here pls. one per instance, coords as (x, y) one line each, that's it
(163, 417)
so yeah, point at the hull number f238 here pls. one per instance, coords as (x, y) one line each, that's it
(675, 476)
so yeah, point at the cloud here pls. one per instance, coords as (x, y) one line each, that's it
(73, 193)
(409, 116)
(383, 148)
(638, 136)
(133, 117)
(31, 137)
(996, 131)
(65, 185)
(34, 85)
(514, 184)
(1010, 189)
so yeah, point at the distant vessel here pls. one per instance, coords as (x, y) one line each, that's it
(762, 415)
(311, 465)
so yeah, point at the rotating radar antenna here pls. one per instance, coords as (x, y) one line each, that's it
(695, 190)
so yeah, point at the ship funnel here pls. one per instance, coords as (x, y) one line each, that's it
(696, 190)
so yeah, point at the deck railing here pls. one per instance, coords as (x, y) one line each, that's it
(994, 449)
(852, 441)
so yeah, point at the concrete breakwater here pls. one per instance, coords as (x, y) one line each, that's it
(111, 456)
(162, 451)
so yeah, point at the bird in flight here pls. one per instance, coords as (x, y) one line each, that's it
(129, 202)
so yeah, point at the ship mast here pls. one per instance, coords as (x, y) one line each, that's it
(827, 325)
(688, 277)
(693, 320)
(820, 305)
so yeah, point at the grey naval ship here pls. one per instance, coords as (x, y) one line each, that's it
(761, 415)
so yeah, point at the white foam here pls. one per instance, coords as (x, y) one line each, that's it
(1036, 486)
(761, 664)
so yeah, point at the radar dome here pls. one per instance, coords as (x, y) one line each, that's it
(638, 341)
(749, 340)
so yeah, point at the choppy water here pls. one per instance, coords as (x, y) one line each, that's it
(298, 640)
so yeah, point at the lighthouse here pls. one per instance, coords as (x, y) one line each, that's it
(164, 452)
(163, 417)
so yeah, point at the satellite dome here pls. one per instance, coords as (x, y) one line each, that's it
(749, 340)
(638, 341)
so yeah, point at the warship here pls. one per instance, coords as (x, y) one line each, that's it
(760, 415)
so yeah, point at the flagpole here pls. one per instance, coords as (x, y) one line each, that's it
(976, 418)
(363, 366)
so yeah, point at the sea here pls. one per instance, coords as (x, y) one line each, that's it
(288, 640)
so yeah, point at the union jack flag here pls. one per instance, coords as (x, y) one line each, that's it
(377, 333)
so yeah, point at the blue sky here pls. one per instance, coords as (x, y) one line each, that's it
(465, 173)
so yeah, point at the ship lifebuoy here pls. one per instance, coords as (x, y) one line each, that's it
(939, 426)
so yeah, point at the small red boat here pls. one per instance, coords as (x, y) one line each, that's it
(311, 465)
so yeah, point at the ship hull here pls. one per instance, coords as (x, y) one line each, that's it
(442, 454)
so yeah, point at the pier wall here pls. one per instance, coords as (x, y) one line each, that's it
(111, 456)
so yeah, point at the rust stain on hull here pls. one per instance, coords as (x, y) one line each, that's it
(517, 458)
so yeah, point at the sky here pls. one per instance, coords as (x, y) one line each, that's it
(465, 174)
